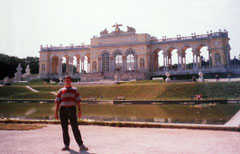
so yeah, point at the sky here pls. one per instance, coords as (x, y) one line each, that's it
(27, 24)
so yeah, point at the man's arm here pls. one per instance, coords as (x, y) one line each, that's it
(79, 109)
(57, 101)
(78, 102)
(56, 111)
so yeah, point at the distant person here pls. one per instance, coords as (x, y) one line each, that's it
(198, 97)
(217, 77)
(67, 99)
(229, 77)
(194, 79)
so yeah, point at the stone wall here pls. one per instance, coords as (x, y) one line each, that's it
(88, 77)
(126, 76)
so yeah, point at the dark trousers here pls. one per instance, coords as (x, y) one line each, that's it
(65, 114)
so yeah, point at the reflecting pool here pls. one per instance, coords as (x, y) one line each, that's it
(198, 114)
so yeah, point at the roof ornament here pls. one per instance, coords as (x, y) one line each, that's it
(131, 29)
(117, 29)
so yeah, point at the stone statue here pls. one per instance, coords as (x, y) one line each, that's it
(5, 80)
(116, 77)
(19, 69)
(201, 79)
(104, 32)
(168, 74)
(60, 80)
(131, 29)
(18, 74)
(117, 29)
(28, 71)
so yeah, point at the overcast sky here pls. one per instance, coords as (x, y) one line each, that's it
(27, 24)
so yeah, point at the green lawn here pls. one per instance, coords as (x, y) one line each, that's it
(137, 90)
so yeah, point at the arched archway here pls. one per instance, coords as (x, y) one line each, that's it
(172, 58)
(86, 66)
(65, 64)
(105, 62)
(158, 60)
(203, 56)
(187, 53)
(118, 60)
(76, 64)
(131, 60)
(54, 65)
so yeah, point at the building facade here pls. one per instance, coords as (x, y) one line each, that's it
(135, 56)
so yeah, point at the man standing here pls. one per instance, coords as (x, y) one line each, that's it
(67, 99)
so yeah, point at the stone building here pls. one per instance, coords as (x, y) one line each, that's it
(134, 56)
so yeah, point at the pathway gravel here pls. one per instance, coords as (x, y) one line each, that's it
(115, 140)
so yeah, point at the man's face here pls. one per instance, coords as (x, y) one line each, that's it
(68, 82)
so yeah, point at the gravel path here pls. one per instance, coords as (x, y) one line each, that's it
(115, 140)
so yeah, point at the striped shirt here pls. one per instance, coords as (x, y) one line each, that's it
(68, 96)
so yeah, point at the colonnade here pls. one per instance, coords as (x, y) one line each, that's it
(56, 65)
(181, 59)
(124, 66)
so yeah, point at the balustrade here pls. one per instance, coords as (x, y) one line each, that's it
(194, 36)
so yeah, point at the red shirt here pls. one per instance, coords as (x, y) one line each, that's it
(68, 96)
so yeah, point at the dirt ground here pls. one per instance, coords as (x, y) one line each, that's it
(115, 140)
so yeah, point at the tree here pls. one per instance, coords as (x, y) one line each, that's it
(235, 61)
(8, 65)
(33, 63)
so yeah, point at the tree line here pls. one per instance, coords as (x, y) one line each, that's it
(8, 65)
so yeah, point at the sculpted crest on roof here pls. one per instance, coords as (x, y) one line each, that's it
(118, 31)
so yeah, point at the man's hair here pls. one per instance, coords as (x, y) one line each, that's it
(68, 77)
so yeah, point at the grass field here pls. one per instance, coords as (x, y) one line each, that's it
(138, 90)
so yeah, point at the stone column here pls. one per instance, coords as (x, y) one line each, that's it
(151, 61)
(99, 64)
(170, 61)
(114, 65)
(167, 62)
(82, 65)
(89, 64)
(155, 61)
(164, 61)
(111, 63)
(185, 65)
(67, 66)
(209, 57)
(181, 58)
(227, 54)
(194, 57)
(60, 66)
(136, 62)
(197, 62)
(179, 54)
(71, 65)
(50, 66)
(78, 65)
(124, 58)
